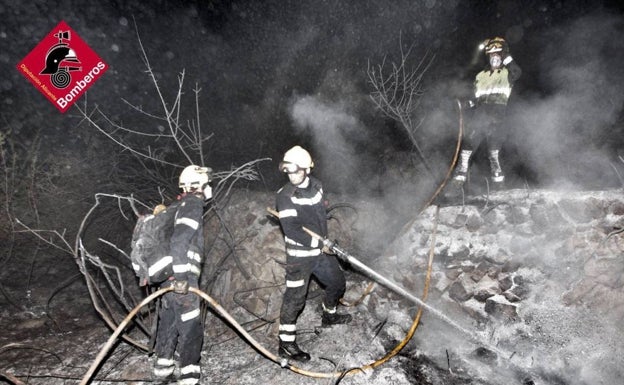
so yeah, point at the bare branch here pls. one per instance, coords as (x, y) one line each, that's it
(397, 91)
(118, 141)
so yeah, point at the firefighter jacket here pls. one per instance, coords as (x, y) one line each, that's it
(187, 240)
(298, 207)
(494, 86)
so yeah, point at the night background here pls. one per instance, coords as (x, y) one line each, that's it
(274, 74)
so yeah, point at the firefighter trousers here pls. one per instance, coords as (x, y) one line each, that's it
(486, 123)
(180, 327)
(299, 270)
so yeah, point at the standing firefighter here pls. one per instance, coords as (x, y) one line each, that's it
(492, 88)
(300, 204)
(180, 328)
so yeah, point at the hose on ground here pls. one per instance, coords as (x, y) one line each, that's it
(460, 134)
(255, 344)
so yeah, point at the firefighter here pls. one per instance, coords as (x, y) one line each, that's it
(180, 328)
(492, 88)
(300, 203)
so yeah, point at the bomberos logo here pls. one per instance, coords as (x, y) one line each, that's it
(62, 66)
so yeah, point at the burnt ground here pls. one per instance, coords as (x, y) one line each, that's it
(550, 316)
(57, 343)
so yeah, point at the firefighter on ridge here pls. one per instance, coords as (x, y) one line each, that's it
(300, 203)
(180, 327)
(492, 88)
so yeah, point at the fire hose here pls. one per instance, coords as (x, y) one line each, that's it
(255, 344)
(354, 262)
(460, 134)
(344, 255)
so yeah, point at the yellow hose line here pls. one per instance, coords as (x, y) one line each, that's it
(367, 291)
(120, 328)
(282, 362)
(460, 134)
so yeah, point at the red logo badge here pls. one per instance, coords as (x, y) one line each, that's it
(62, 66)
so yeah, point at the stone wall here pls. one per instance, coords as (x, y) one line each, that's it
(492, 254)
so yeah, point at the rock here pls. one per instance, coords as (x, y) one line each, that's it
(494, 220)
(546, 216)
(517, 215)
(459, 292)
(453, 274)
(498, 258)
(484, 355)
(482, 295)
(474, 309)
(494, 272)
(460, 252)
(605, 271)
(486, 288)
(460, 221)
(579, 211)
(474, 222)
(510, 266)
(511, 297)
(467, 267)
(250, 218)
(479, 272)
(616, 208)
(577, 294)
(498, 307)
(505, 283)
(539, 217)
(441, 281)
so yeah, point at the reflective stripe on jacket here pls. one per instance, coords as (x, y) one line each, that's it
(302, 207)
(494, 86)
(187, 240)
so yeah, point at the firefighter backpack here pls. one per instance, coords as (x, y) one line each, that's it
(150, 245)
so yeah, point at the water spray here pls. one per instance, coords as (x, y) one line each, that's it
(352, 261)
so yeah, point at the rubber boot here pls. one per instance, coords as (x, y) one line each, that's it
(461, 171)
(291, 350)
(496, 171)
(189, 375)
(164, 367)
(329, 319)
(331, 316)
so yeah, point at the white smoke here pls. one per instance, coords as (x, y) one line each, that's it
(562, 133)
(332, 130)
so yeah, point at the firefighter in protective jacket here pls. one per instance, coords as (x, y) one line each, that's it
(180, 327)
(492, 88)
(300, 203)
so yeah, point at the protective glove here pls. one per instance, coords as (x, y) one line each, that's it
(180, 287)
(507, 59)
(327, 247)
(327, 250)
(469, 103)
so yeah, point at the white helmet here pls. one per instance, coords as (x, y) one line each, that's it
(194, 178)
(295, 159)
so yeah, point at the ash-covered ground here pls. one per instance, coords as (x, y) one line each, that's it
(525, 288)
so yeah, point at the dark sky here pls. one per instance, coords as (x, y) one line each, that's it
(278, 73)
